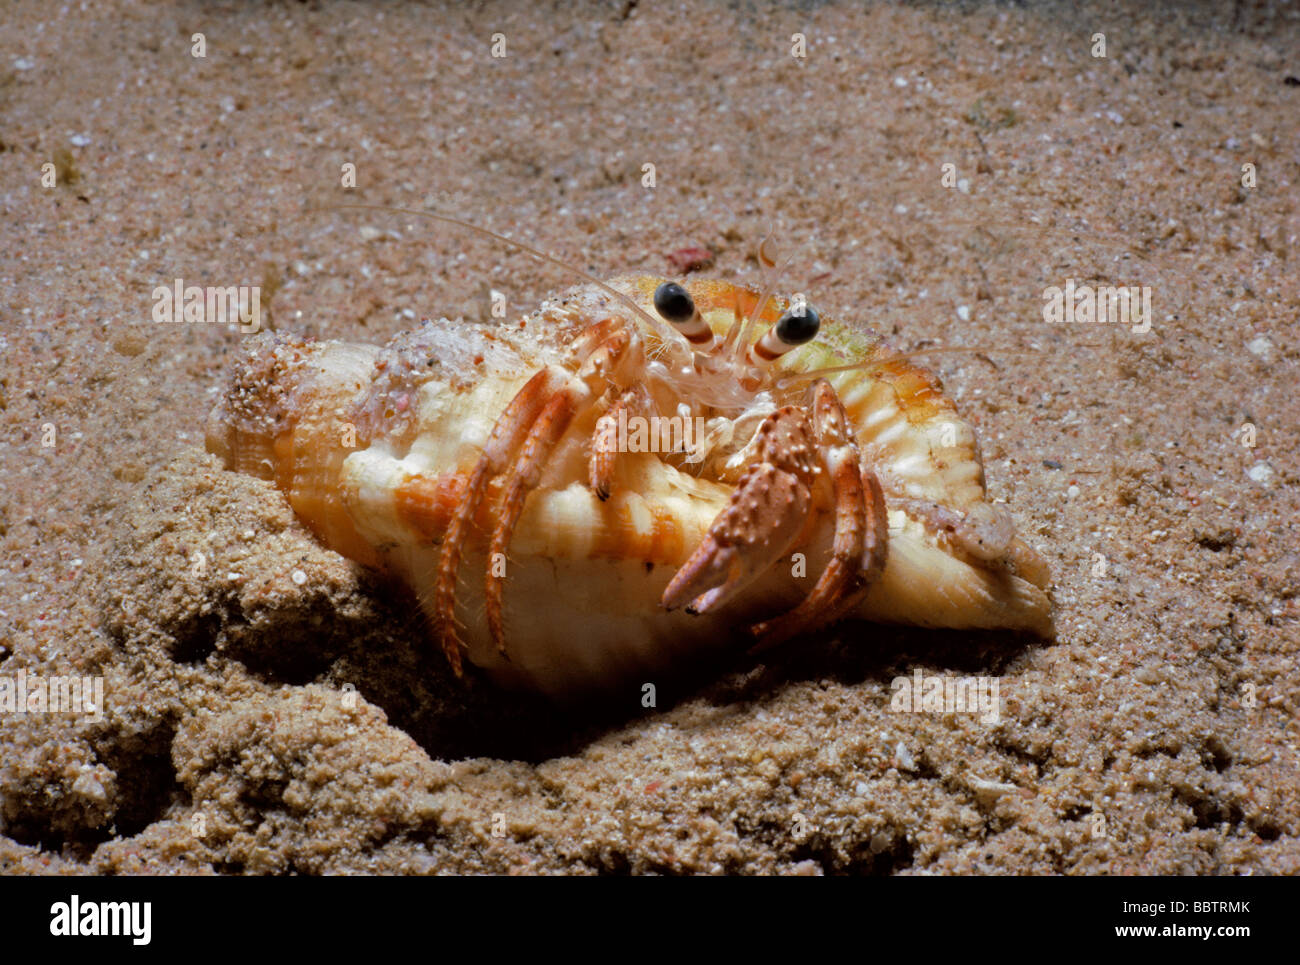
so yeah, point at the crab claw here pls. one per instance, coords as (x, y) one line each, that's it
(765, 517)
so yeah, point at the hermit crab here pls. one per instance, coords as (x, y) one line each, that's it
(640, 470)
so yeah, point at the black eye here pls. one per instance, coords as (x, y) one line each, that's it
(795, 329)
(673, 303)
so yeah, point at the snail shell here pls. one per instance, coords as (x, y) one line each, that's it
(373, 448)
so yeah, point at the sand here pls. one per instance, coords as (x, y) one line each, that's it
(270, 708)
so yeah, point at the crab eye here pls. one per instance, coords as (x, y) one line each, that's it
(797, 328)
(674, 303)
(794, 328)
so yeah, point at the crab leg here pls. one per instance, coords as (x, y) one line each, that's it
(765, 517)
(577, 394)
(529, 418)
(508, 434)
(861, 530)
(635, 401)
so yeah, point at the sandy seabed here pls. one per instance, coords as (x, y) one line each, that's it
(1156, 471)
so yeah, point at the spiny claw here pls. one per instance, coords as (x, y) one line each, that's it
(766, 515)
(861, 531)
(711, 565)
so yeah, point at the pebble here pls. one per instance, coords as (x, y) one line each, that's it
(989, 791)
(1147, 675)
(1261, 472)
(1261, 347)
(905, 759)
(88, 785)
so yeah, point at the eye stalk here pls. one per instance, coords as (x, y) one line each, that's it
(791, 330)
(675, 305)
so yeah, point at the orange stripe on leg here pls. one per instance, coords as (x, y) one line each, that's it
(577, 394)
(524, 476)
(510, 428)
(427, 503)
(605, 448)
